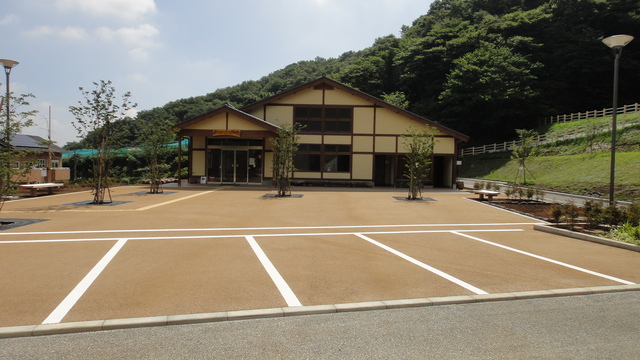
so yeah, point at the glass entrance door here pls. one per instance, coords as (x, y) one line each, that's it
(234, 167)
(228, 166)
(241, 166)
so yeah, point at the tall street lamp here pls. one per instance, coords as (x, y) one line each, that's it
(8, 65)
(616, 42)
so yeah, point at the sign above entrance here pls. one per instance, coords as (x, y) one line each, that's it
(234, 133)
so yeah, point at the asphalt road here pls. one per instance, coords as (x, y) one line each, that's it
(603, 326)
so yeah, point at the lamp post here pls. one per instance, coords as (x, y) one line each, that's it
(615, 42)
(8, 65)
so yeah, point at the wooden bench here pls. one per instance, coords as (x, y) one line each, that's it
(489, 193)
(35, 187)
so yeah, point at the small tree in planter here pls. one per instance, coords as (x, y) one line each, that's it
(95, 118)
(154, 134)
(556, 212)
(284, 148)
(593, 213)
(570, 214)
(419, 144)
(523, 152)
(510, 191)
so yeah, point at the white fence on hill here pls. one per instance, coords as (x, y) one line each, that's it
(592, 114)
(578, 131)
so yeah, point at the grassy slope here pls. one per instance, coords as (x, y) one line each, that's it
(574, 173)
(582, 169)
(577, 172)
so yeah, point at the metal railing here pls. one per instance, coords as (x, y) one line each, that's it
(592, 114)
(576, 132)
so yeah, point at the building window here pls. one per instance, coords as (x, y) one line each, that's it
(42, 163)
(325, 158)
(55, 164)
(308, 158)
(337, 158)
(327, 119)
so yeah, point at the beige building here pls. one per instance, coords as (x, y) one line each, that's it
(36, 156)
(349, 138)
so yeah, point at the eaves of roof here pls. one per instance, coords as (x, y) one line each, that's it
(227, 108)
(378, 102)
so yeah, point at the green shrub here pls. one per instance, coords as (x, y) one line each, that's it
(570, 213)
(530, 192)
(593, 212)
(633, 213)
(556, 212)
(613, 215)
(509, 191)
(626, 233)
(477, 185)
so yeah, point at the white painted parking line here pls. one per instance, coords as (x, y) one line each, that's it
(255, 235)
(174, 200)
(424, 266)
(546, 259)
(264, 228)
(281, 284)
(69, 302)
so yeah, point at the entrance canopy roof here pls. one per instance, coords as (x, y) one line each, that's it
(227, 121)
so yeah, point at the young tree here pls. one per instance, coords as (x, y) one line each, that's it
(419, 144)
(154, 134)
(17, 120)
(97, 114)
(523, 152)
(284, 148)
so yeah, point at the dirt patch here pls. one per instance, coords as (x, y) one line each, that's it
(535, 209)
(543, 211)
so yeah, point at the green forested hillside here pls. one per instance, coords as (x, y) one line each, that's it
(481, 67)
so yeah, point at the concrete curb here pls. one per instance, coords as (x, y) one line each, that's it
(585, 237)
(113, 324)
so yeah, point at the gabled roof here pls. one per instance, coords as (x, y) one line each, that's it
(32, 142)
(227, 108)
(325, 81)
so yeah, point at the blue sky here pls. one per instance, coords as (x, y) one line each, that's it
(164, 50)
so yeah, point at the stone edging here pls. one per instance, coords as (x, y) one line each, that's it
(99, 325)
(586, 237)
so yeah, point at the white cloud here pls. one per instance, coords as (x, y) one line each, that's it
(9, 19)
(139, 54)
(123, 9)
(69, 32)
(72, 33)
(141, 36)
(41, 31)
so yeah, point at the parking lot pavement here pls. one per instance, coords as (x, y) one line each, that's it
(601, 326)
(225, 249)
